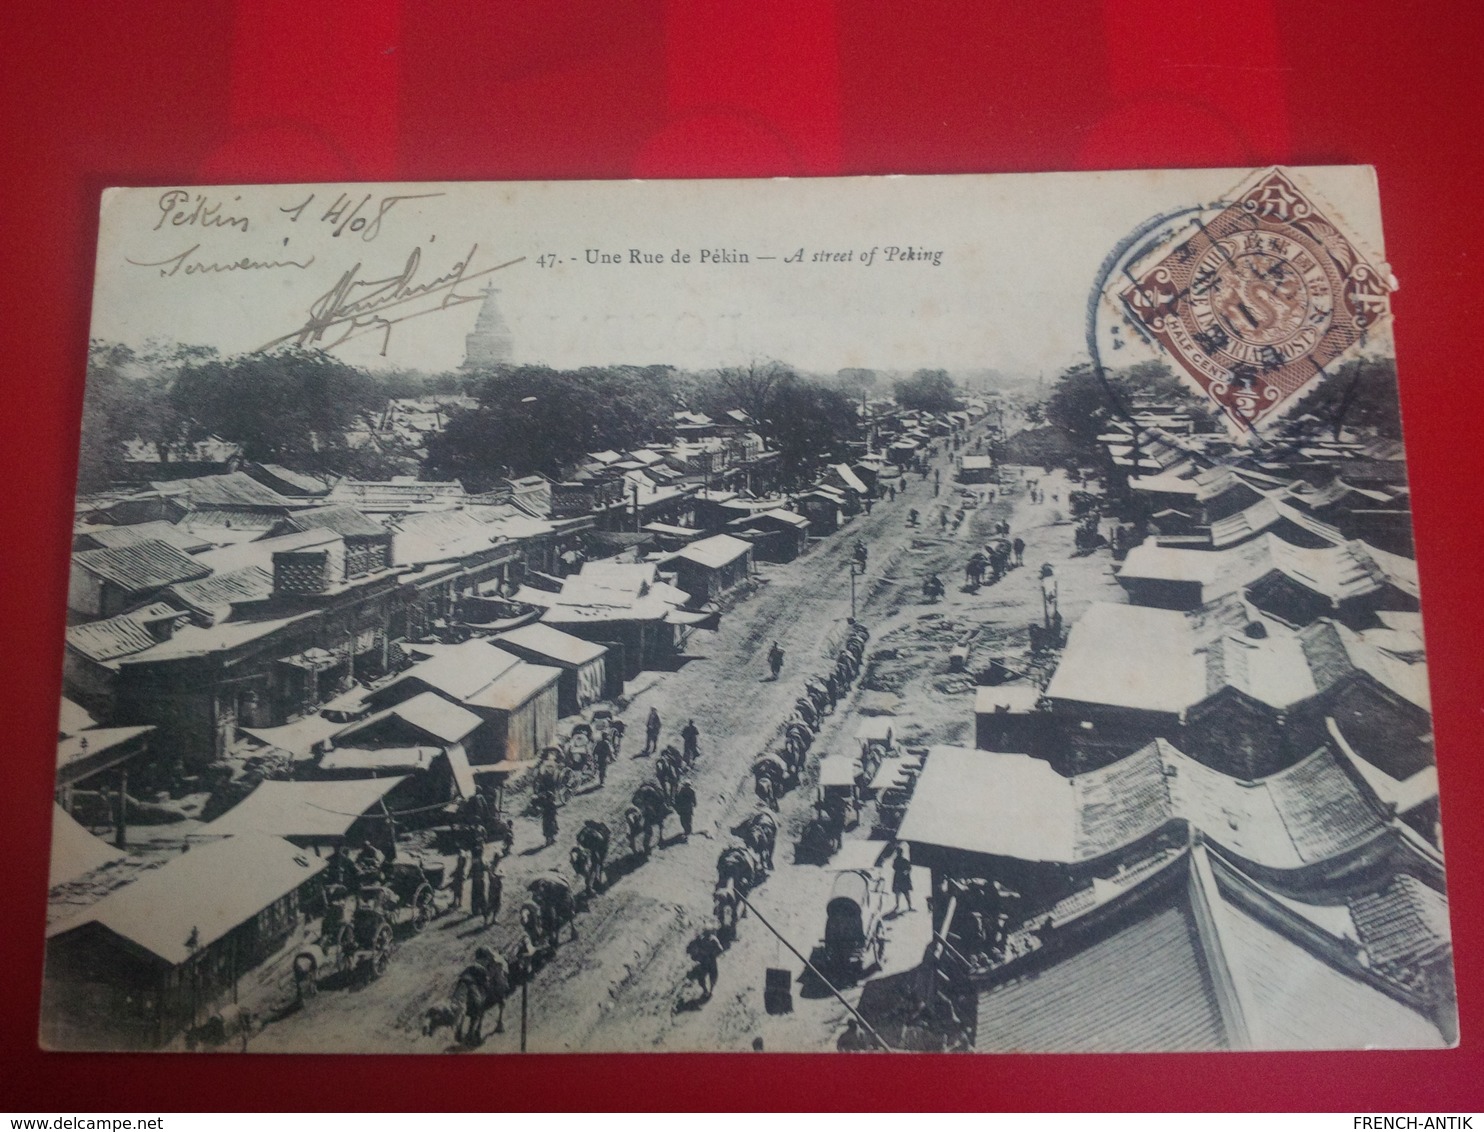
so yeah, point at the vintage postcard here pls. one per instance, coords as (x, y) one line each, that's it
(1008, 583)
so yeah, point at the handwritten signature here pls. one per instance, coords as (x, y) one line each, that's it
(186, 264)
(355, 306)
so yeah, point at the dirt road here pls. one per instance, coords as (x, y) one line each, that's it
(622, 984)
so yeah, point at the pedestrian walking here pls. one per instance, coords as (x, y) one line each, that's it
(478, 874)
(616, 729)
(602, 756)
(1019, 547)
(775, 659)
(456, 882)
(547, 803)
(652, 731)
(691, 736)
(901, 880)
(705, 949)
(495, 891)
(685, 805)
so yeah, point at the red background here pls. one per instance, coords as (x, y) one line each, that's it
(274, 90)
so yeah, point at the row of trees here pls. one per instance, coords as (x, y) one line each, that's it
(1360, 394)
(302, 408)
(538, 419)
(294, 407)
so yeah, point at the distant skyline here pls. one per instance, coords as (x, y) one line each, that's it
(1016, 256)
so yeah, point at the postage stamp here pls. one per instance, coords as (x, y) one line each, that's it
(1260, 300)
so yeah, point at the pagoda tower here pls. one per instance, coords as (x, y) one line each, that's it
(490, 344)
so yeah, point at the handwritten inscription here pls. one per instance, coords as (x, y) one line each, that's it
(181, 209)
(188, 263)
(347, 214)
(356, 306)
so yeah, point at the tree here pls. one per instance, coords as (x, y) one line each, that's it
(536, 419)
(1360, 394)
(810, 425)
(1079, 405)
(291, 406)
(928, 391)
(753, 388)
(127, 399)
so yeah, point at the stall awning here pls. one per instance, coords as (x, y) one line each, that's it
(710, 620)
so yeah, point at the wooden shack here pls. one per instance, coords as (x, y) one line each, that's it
(584, 664)
(157, 956)
(707, 569)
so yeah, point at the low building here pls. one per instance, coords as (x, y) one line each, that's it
(824, 508)
(520, 709)
(776, 535)
(584, 680)
(976, 469)
(110, 580)
(158, 955)
(1007, 718)
(312, 814)
(708, 568)
(426, 718)
(1351, 581)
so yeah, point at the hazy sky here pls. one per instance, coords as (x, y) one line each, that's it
(1016, 258)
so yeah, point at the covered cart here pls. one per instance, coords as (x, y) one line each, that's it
(854, 939)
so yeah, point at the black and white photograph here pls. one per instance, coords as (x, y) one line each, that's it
(885, 614)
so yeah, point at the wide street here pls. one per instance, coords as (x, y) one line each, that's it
(622, 985)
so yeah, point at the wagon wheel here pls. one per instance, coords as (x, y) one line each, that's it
(422, 907)
(381, 950)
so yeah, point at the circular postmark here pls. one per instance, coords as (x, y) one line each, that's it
(1260, 295)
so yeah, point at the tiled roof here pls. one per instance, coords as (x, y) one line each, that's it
(1335, 652)
(119, 636)
(436, 536)
(211, 595)
(1120, 803)
(179, 537)
(1265, 514)
(1404, 924)
(1272, 670)
(234, 489)
(1142, 989)
(1292, 996)
(145, 565)
(341, 518)
(1321, 807)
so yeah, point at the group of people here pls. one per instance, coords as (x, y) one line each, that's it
(486, 883)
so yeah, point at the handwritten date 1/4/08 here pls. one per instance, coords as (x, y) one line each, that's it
(347, 214)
